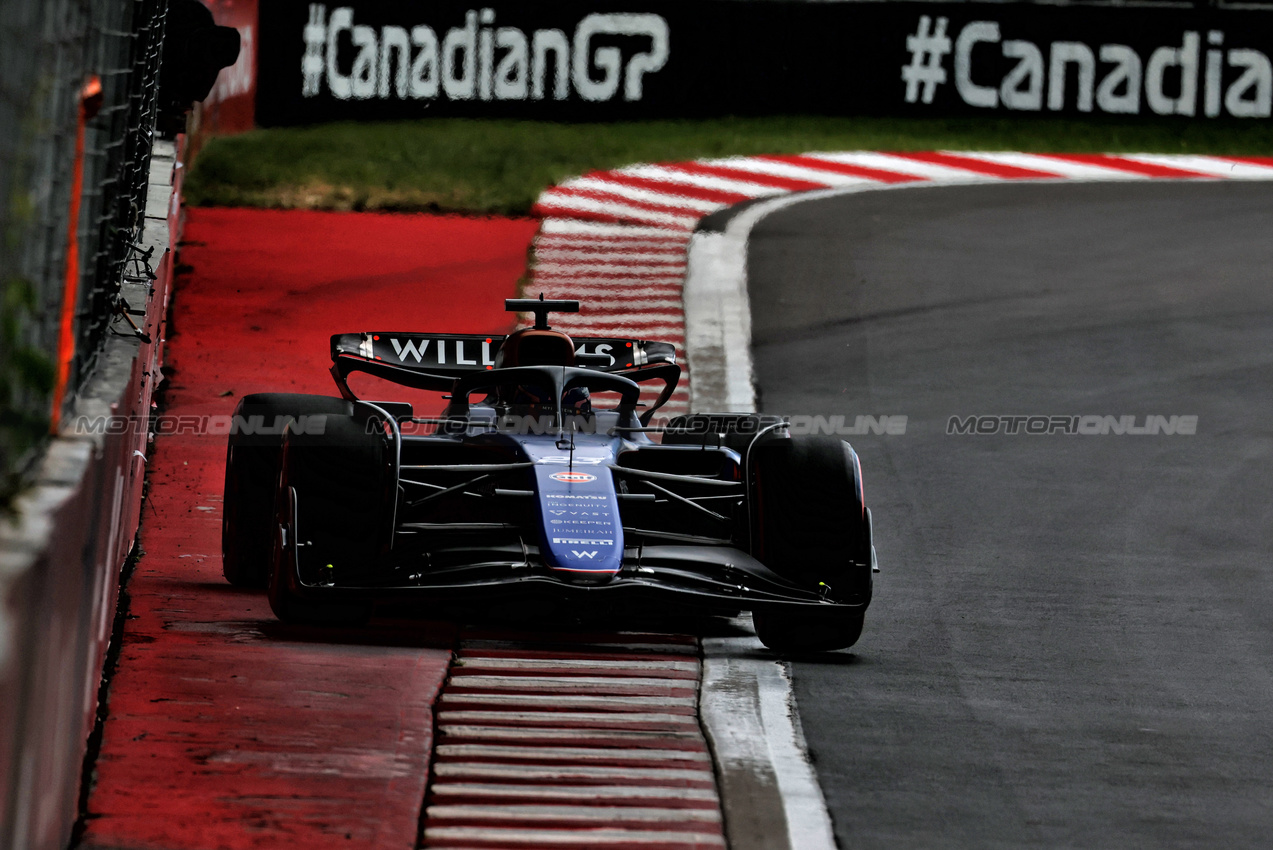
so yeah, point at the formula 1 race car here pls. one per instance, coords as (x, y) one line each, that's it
(540, 485)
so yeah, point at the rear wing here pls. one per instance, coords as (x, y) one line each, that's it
(433, 361)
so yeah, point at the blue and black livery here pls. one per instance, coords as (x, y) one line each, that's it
(541, 483)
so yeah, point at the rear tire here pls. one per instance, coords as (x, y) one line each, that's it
(813, 530)
(252, 466)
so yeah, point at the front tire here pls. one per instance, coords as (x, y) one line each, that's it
(809, 631)
(280, 590)
(334, 516)
(813, 529)
(253, 461)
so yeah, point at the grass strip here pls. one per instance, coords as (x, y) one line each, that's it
(499, 167)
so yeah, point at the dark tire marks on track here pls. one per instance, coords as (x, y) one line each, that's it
(1071, 643)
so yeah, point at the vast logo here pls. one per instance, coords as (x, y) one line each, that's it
(1178, 79)
(479, 61)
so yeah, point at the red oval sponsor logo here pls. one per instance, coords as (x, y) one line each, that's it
(573, 477)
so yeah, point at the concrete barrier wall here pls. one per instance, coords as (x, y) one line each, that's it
(61, 558)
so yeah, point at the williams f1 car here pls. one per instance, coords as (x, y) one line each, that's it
(541, 484)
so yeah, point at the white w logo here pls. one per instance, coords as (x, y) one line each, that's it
(403, 350)
(579, 554)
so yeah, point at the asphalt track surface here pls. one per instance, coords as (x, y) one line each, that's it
(1071, 643)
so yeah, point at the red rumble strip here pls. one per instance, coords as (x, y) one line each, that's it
(588, 741)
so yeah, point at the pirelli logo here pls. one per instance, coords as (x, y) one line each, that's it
(582, 541)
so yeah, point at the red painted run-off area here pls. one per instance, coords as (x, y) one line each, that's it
(227, 729)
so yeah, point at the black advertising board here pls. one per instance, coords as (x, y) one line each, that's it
(570, 61)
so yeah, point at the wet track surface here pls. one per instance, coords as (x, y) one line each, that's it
(1071, 643)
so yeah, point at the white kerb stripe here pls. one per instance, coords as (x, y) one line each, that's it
(602, 293)
(574, 719)
(648, 258)
(1214, 166)
(614, 291)
(532, 812)
(791, 171)
(898, 165)
(575, 268)
(707, 181)
(570, 793)
(595, 839)
(651, 332)
(573, 755)
(566, 736)
(1064, 168)
(588, 205)
(566, 772)
(669, 274)
(616, 703)
(471, 661)
(558, 225)
(497, 681)
(667, 199)
(602, 244)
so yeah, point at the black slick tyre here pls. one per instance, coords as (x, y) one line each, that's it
(281, 590)
(333, 517)
(812, 529)
(253, 460)
(813, 631)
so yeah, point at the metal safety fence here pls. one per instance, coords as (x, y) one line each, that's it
(78, 98)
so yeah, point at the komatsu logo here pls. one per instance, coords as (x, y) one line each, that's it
(478, 61)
